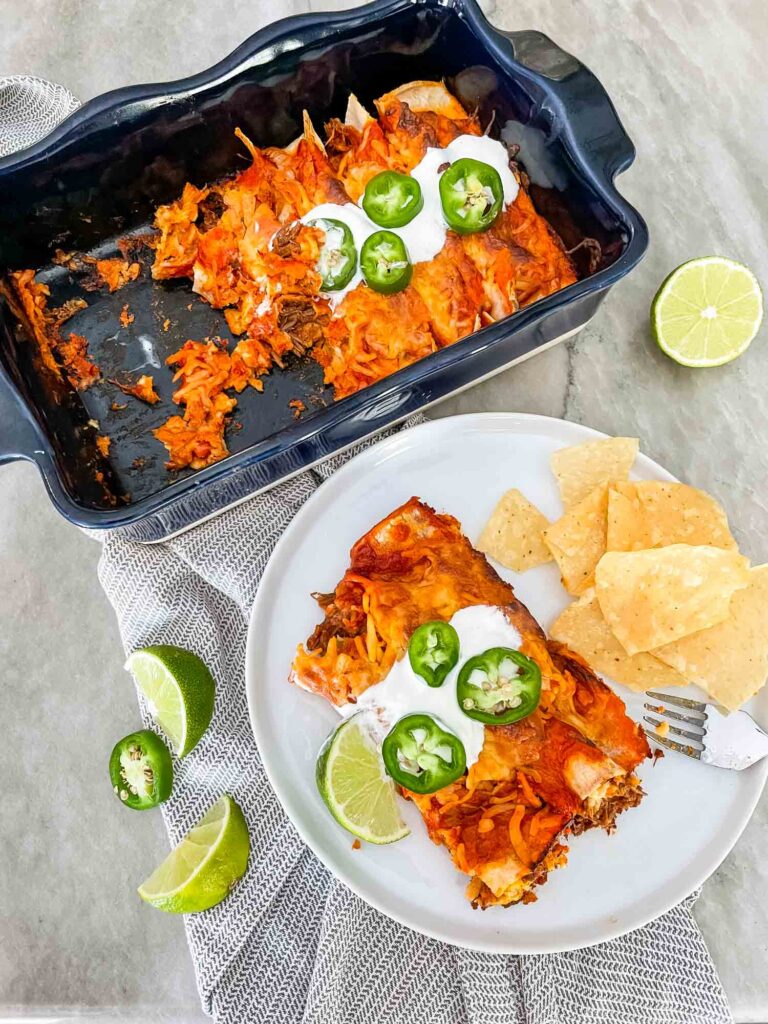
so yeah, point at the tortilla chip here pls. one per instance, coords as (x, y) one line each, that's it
(577, 541)
(513, 534)
(582, 468)
(651, 598)
(729, 660)
(310, 132)
(356, 114)
(582, 627)
(628, 527)
(655, 513)
(424, 97)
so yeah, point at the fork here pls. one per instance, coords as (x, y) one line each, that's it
(726, 741)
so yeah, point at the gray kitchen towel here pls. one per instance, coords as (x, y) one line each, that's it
(29, 109)
(291, 944)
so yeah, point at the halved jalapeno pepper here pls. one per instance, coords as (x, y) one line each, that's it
(141, 770)
(433, 651)
(499, 686)
(337, 262)
(422, 756)
(392, 200)
(385, 263)
(471, 194)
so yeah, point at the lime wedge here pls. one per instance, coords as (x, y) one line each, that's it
(179, 689)
(356, 789)
(707, 312)
(201, 870)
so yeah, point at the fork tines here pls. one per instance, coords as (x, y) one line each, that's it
(698, 723)
(680, 702)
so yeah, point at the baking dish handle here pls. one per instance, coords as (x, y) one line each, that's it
(19, 438)
(585, 107)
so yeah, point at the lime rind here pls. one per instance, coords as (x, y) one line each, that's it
(707, 312)
(355, 787)
(199, 872)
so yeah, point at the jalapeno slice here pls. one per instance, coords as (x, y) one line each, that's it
(422, 756)
(471, 194)
(433, 651)
(141, 770)
(385, 263)
(392, 200)
(499, 686)
(337, 262)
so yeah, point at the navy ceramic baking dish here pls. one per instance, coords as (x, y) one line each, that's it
(100, 175)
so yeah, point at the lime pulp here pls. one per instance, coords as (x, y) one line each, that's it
(707, 312)
(355, 787)
(201, 870)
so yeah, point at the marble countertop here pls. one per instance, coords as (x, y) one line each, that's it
(693, 94)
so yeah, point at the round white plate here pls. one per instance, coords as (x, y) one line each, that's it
(662, 850)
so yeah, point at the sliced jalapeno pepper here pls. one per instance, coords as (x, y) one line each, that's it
(471, 194)
(392, 200)
(433, 651)
(499, 686)
(385, 263)
(421, 755)
(337, 262)
(141, 770)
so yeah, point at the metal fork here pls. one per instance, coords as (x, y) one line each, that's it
(726, 741)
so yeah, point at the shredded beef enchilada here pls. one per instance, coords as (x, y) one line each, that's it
(564, 768)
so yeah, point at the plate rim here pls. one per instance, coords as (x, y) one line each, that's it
(513, 421)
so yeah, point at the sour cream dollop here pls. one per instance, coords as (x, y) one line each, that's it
(424, 236)
(403, 692)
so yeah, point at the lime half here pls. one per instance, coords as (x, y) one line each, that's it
(356, 789)
(179, 689)
(707, 312)
(202, 869)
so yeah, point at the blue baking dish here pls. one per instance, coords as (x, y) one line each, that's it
(99, 176)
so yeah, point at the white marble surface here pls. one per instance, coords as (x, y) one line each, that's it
(691, 85)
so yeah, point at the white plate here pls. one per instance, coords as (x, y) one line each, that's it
(662, 851)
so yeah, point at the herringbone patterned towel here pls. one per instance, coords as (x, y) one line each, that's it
(291, 944)
(29, 109)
